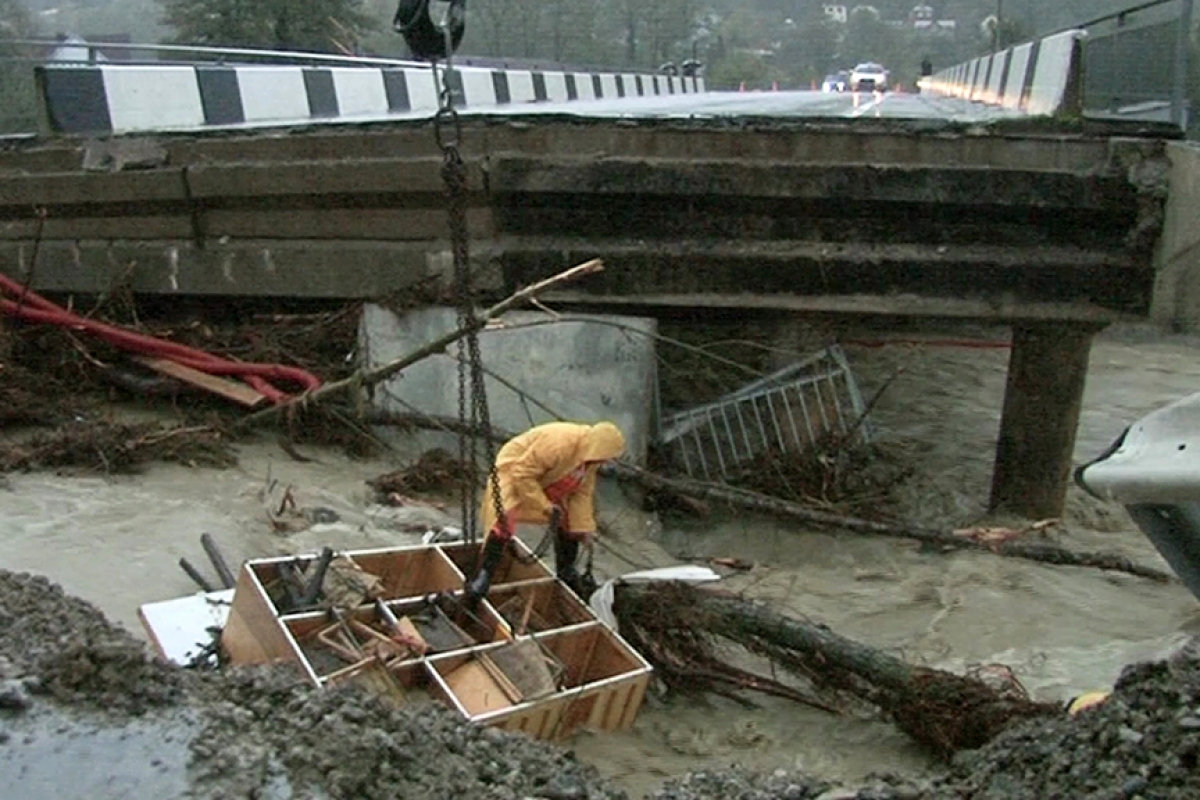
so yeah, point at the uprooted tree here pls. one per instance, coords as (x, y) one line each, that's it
(681, 629)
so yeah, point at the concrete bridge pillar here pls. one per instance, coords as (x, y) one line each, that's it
(1046, 376)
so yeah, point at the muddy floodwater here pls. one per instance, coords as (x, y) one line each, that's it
(116, 542)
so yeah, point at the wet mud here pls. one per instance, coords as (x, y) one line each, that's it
(78, 687)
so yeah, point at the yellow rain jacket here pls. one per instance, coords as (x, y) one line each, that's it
(534, 462)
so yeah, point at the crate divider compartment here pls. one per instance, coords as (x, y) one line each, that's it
(405, 571)
(605, 683)
(253, 634)
(574, 673)
(410, 571)
(466, 559)
(549, 604)
(323, 662)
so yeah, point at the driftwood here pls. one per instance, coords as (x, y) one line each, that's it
(1032, 551)
(366, 378)
(667, 623)
(1043, 552)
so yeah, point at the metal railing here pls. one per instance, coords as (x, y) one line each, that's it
(1136, 62)
(803, 407)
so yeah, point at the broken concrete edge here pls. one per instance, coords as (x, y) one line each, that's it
(644, 137)
(1054, 126)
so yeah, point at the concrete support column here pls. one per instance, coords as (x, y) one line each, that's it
(1046, 376)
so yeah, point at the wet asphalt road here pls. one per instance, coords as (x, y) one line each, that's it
(770, 104)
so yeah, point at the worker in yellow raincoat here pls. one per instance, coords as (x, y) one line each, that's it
(546, 475)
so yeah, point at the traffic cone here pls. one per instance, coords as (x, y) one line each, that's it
(774, 86)
(742, 88)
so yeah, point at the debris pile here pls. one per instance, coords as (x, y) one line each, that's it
(852, 479)
(103, 445)
(54, 374)
(436, 472)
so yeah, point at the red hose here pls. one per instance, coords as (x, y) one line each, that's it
(32, 307)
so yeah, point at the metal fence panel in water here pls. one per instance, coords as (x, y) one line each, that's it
(804, 407)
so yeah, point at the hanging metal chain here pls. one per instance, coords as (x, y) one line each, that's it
(473, 411)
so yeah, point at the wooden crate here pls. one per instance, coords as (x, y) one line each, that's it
(561, 671)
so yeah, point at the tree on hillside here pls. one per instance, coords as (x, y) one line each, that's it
(869, 38)
(321, 25)
(810, 50)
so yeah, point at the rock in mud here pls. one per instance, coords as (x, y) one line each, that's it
(350, 744)
(1140, 742)
(14, 697)
(740, 784)
(66, 648)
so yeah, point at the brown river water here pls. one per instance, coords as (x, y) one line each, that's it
(116, 542)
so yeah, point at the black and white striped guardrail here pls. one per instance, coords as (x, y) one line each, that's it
(1034, 78)
(118, 98)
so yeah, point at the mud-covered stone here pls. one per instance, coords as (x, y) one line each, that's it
(14, 697)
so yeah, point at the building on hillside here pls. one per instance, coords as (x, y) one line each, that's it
(838, 14)
(924, 18)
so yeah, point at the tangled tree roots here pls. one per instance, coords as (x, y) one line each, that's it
(948, 712)
(677, 628)
(115, 448)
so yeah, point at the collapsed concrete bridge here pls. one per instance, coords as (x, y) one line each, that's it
(1051, 234)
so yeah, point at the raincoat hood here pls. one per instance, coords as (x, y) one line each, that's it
(603, 442)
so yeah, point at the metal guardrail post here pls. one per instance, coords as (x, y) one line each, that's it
(1182, 58)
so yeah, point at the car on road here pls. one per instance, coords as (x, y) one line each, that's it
(869, 77)
(836, 82)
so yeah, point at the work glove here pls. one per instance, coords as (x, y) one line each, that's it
(556, 518)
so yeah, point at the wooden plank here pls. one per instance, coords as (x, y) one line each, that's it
(476, 689)
(254, 634)
(231, 390)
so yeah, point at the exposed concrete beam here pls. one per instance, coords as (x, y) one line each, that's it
(960, 185)
(297, 268)
(1001, 313)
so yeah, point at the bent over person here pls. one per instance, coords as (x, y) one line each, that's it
(546, 475)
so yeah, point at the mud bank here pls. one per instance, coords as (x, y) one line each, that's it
(257, 733)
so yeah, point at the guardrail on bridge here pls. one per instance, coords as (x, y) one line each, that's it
(1129, 65)
(1036, 78)
(78, 98)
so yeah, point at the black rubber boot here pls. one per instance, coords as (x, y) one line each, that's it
(493, 552)
(566, 553)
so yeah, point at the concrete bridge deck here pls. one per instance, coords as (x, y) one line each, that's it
(1051, 233)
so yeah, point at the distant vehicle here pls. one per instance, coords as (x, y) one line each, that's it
(836, 82)
(869, 77)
